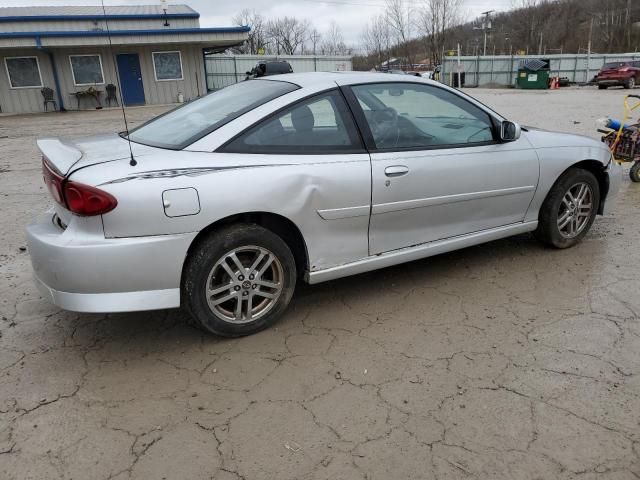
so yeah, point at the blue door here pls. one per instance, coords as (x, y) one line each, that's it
(130, 79)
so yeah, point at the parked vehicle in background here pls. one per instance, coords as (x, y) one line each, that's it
(624, 74)
(415, 74)
(428, 75)
(397, 72)
(266, 68)
(235, 197)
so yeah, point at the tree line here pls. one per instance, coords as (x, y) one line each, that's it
(289, 36)
(422, 31)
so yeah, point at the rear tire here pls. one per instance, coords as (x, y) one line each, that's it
(602, 87)
(238, 280)
(630, 83)
(634, 173)
(569, 210)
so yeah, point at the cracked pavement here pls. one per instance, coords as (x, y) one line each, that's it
(504, 361)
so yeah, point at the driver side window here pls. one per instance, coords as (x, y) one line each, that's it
(415, 116)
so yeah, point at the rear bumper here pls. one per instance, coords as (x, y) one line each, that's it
(110, 302)
(616, 80)
(80, 270)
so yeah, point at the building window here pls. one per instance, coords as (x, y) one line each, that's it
(86, 69)
(167, 65)
(23, 72)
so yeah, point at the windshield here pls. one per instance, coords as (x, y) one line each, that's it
(190, 122)
(611, 65)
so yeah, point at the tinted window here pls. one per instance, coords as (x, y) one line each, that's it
(403, 115)
(192, 121)
(321, 124)
(86, 69)
(613, 65)
(23, 72)
(167, 65)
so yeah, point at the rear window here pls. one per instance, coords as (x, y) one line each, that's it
(612, 65)
(190, 122)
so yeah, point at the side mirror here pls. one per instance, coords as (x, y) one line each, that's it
(510, 131)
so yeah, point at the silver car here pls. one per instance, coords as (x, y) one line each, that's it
(222, 205)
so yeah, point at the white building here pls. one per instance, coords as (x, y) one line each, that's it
(152, 55)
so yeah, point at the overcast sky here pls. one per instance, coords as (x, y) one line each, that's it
(350, 15)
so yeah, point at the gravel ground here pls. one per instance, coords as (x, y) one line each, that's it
(502, 361)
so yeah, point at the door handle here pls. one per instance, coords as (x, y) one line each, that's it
(396, 171)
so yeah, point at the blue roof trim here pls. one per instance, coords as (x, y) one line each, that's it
(124, 33)
(99, 16)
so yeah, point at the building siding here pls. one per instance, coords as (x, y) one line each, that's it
(29, 100)
(54, 33)
(18, 100)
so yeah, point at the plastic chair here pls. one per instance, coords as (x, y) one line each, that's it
(47, 94)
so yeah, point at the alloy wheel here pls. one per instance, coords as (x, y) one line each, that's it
(244, 284)
(575, 210)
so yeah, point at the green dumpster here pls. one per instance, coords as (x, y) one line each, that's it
(533, 74)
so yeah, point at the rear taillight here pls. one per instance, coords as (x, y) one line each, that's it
(77, 197)
(87, 200)
(53, 180)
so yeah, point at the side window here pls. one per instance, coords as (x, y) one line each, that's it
(411, 115)
(320, 124)
(24, 72)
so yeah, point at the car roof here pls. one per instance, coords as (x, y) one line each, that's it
(330, 79)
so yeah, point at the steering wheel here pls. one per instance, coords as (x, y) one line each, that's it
(385, 127)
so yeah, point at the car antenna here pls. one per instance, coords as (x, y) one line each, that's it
(132, 161)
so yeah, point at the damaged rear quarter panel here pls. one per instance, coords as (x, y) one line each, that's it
(296, 187)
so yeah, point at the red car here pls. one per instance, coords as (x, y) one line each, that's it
(624, 74)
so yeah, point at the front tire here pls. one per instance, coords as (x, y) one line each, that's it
(634, 173)
(602, 87)
(569, 209)
(238, 280)
(630, 83)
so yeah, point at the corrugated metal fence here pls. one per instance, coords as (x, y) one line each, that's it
(502, 70)
(223, 70)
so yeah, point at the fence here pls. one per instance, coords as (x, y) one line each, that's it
(223, 70)
(502, 70)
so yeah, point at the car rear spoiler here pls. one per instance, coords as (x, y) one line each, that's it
(61, 154)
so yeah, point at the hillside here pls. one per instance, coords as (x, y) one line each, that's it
(537, 27)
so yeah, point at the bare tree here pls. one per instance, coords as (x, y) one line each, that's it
(399, 14)
(375, 38)
(257, 35)
(436, 19)
(333, 43)
(314, 39)
(531, 22)
(287, 34)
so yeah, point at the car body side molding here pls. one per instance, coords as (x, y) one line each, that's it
(419, 251)
(346, 212)
(445, 199)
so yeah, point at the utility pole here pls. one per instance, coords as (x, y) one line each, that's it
(589, 51)
(486, 25)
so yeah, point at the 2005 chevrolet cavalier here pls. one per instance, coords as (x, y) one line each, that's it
(231, 199)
